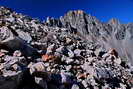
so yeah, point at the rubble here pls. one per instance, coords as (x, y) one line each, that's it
(61, 53)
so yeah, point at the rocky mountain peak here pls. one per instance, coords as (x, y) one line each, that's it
(114, 21)
(75, 12)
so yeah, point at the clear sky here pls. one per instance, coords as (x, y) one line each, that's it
(102, 9)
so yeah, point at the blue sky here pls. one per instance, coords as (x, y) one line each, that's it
(104, 10)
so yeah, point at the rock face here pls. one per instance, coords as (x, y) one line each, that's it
(109, 35)
(76, 51)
